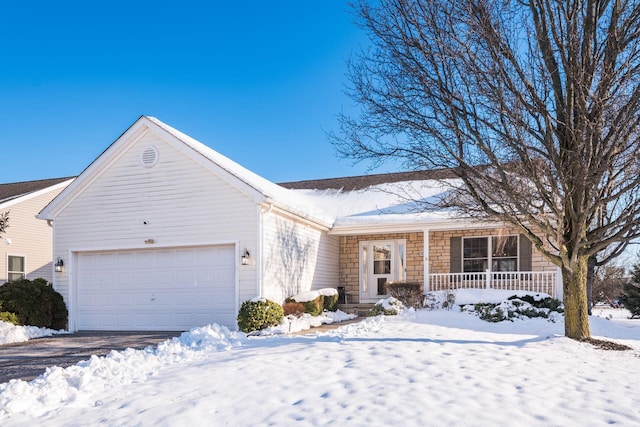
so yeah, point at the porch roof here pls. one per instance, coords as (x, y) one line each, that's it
(402, 205)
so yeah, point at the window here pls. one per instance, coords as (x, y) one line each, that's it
(499, 252)
(15, 268)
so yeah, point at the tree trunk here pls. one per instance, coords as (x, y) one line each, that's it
(576, 315)
(591, 269)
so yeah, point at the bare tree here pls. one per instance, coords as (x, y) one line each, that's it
(608, 283)
(4, 221)
(534, 103)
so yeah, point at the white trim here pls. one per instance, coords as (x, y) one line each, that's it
(260, 249)
(409, 227)
(426, 259)
(135, 247)
(299, 216)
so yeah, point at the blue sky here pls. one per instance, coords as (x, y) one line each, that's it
(260, 82)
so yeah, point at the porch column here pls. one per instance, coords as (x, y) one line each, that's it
(559, 289)
(425, 257)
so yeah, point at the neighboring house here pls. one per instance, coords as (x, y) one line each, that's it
(161, 232)
(26, 245)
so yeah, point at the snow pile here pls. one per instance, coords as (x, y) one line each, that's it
(327, 292)
(304, 322)
(76, 385)
(510, 310)
(489, 296)
(10, 333)
(418, 368)
(389, 306)
(306, 296)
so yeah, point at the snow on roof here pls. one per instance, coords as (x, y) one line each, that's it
(391, 202)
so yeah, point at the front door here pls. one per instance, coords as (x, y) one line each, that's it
(381, 262)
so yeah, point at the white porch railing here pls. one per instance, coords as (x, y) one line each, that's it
(532, 281)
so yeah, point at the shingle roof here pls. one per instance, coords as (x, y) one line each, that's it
(351, 183)
(14, 190)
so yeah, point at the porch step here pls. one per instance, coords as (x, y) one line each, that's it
(360, 309)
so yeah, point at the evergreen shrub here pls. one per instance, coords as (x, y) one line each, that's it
(35, 303)
(631, 299)
(388, 307)
(256, 315)
(330, 301)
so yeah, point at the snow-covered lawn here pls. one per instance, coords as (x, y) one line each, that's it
(433, 368)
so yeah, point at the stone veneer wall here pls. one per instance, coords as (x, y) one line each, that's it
(350, 262)
(439, 247)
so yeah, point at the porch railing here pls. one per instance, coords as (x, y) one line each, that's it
(532, 281)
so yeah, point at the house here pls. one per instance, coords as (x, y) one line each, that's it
(26, 244)
(161, 232)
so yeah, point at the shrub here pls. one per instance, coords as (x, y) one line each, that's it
(293, 308)
(256, 315)
(490, 312)
(441, 299)
(516, 307)
(631, 299)
(388, 307)
(330, 298)
(313, 302)
(541, 302)
(408, 293)
(35, 303)
(7, 316)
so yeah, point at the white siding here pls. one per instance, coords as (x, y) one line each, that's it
(30, 237)
(175, 203)
(297, 258)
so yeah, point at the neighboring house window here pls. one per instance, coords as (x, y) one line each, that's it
(499, 252)
(15, 268)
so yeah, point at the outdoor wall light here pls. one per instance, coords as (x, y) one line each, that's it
(58, 265)
(244, 259)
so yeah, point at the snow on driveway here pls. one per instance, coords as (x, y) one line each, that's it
(420, 368)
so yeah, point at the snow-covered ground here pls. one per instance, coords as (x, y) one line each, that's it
(419, 368)
(10, 333)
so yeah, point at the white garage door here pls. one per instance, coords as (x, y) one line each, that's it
(169, 289)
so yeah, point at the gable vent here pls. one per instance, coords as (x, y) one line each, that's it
(149, 157)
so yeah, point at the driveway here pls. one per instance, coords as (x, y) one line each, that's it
(27, 360)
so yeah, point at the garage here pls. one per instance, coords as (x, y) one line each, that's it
(168, 289)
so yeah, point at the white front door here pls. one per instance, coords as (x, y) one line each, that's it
(381, 262)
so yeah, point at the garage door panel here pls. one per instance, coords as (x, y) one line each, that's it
(166, 289)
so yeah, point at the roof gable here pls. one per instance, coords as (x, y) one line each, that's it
(259, 189)
(15, 190)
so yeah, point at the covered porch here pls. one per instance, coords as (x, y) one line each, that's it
(472, 257)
